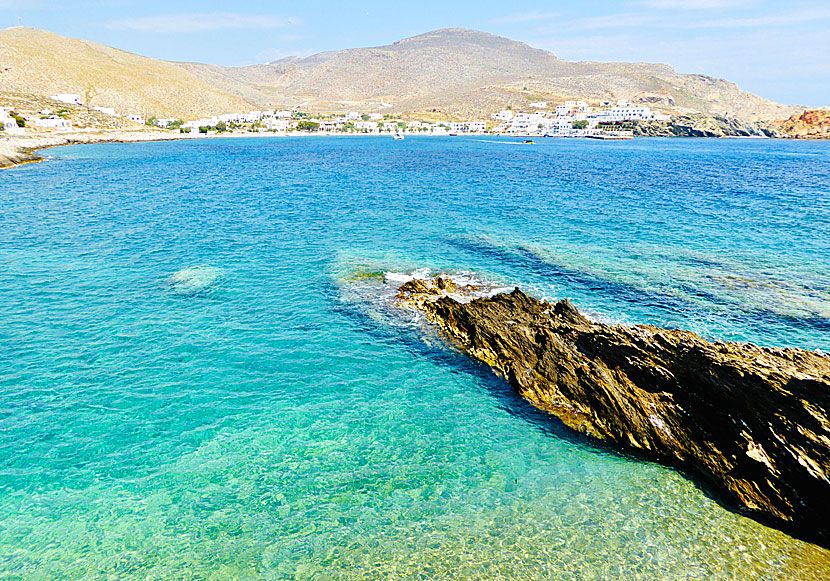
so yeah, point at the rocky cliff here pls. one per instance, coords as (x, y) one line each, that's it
(705, 126)
(813, 124)
(753, 420)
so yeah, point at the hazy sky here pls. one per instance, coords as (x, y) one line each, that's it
(780, 50)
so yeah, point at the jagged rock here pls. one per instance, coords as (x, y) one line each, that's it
(813, 124)
(703, 126)
(752, 419)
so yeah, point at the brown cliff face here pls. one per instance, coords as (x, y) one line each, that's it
(813, 124)
(752, 419)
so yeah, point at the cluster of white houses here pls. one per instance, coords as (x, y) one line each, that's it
(571, 118)
(282, 121)
(45, 120)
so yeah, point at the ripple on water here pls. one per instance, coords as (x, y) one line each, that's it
(302, 428)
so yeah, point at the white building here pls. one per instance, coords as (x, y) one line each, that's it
(352, 115)
(628, 113)
(282, 114)
(105, 110)
(539, 105)
(366, 126)
(164, 123)
(54, 123)
(375, 116)
(251, 117)
(136, 119)
(7, 123)
(505, 115)
(70, 98)
(529, 124)
(274, 124)
(476, 126)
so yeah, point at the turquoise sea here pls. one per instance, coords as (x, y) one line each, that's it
(196, 381)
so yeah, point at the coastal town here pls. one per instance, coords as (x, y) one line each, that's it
(539, 119)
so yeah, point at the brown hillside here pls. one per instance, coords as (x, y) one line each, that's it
(466, 72)
(450, 72)
(37, 62)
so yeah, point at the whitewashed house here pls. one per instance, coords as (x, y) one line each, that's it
(476, 126)
(539, 105)
(105, 110)
(274, 124)
(505, 115)
(371, 126)
(136, 119)
(8, 123)
(54, 122)
(70, 98)
(352, 115)
(251, 117)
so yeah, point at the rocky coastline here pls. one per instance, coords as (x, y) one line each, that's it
(706, 126)
(755, 421)
(20, 149)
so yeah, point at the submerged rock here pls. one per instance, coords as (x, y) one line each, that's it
(195, 279)
(752, 419)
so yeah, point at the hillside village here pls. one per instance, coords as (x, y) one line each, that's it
(568, 119)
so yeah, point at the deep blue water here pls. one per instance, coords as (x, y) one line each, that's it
(192, 385)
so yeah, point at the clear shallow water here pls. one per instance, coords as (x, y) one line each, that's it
(193, 386)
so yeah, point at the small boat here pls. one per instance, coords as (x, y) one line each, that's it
(528, 142)
(397, 136)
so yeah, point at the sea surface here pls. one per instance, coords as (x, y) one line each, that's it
(196, 381)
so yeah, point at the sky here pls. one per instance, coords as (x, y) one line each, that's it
(778, 50)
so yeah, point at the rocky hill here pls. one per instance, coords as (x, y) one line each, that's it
(464, 72)
(449, 73)
(36, 62)
(813, 124)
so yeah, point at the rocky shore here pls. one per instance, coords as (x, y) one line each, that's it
(705, 126)
(19, 149)
(753, 420)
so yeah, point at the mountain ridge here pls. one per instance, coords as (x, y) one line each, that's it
(453, 72)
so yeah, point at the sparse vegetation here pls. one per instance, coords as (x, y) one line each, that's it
(307, 126)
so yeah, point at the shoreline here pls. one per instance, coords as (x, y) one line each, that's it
(16, 150)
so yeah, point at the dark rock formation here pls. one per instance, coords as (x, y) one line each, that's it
(752, 419)
(704, 126)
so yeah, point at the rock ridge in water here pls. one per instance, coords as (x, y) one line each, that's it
(752, 419)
